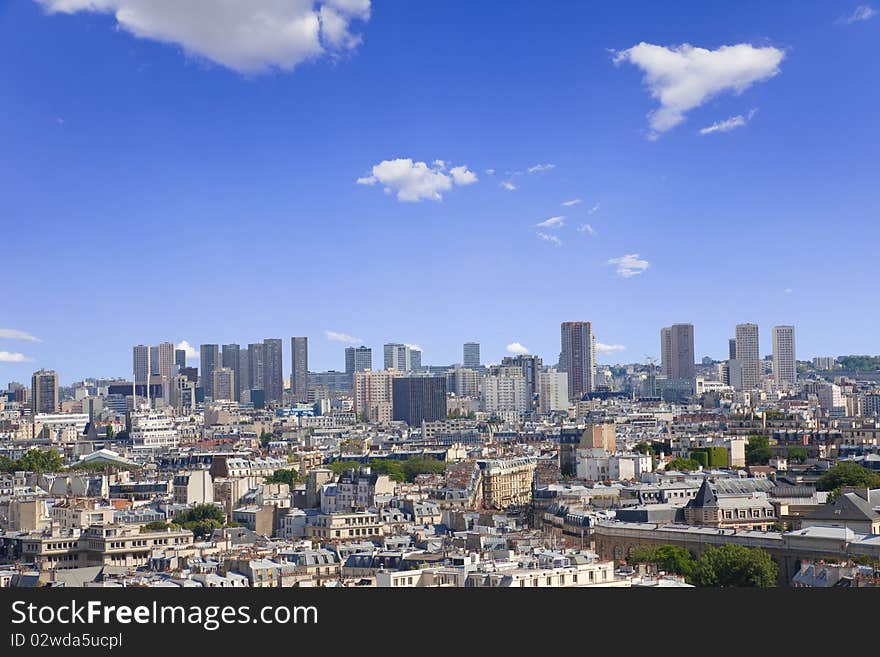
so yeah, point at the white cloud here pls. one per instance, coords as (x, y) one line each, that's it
(342, 337)
(463, 176)
(540, 168)
(860, 14)
(508, 185)
(608, 348)
(552, 222)
(550, 238)
(685, 77)
(517, 348)
(414, 346)
(788, 290)
(15, 334)
(490, 172)
(727, 125)
(191, 352)
(586, 228)
(249, 37)
(594, 209)
(12, 357)
(629, 265)
(414, 181)
(573, 201)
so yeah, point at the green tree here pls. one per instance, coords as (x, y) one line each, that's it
(798, 454)
(758, 450)
(289, 477)
(669, 558)
(683, 464)
(202, 519)
(644, 448)
(158, 526)
(34, 460)
(265, 438)
(847, 473)
(735, 565)
(109, 432)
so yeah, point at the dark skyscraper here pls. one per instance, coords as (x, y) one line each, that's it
(44, 392)
(232, 360)
(731, 348)
(578, 358)
(210, 360)
(180, 358)
(256, 352)
(299, 368)
(273, 369)
(140, 357)
(418, 398)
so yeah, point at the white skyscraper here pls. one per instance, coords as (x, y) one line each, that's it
(784, 361)
(748, 355)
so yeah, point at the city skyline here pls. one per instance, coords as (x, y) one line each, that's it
(518, 168)
(607, 358)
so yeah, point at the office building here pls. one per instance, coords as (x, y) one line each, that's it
(677, 351)
(165, 360)
(417, 399)
(471, 355)
(273, 369)
(255, 354)
(784, 361)
(180, 358)
(141, 363)
(299, 368)
(224, 385)
(731, 348)
(209, 361)
(231, 359)
(578, 358)
(358, 359)
(154, 361)
(405, 358)
(44, 392)
(748, 355)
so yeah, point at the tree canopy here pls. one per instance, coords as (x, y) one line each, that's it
(724, 566)
(847, 473)
(405, 470)
(758, 450)
(289, 477)
(683, 464)
(201, 520)
(34, 460)
(735, 565)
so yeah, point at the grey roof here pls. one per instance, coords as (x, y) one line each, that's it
(848, 506)
(705, 497)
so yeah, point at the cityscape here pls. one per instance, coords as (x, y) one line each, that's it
(250, 470)
(324, 294)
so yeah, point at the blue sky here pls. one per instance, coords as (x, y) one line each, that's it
(151, 192)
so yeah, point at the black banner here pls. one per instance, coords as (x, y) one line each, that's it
(130, 620)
